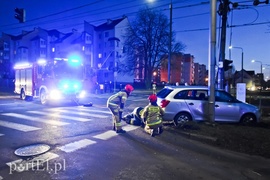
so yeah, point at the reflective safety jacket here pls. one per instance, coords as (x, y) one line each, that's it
(152, 115)
(117, 100)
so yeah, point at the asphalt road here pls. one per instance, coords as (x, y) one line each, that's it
(83, 146)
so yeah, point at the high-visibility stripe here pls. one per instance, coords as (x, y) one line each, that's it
(154, 123)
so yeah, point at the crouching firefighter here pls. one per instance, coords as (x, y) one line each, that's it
(116, 104)
(134, 118)
(152, 116)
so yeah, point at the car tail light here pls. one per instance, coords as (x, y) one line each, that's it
(164, 103)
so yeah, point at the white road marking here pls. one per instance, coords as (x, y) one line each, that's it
(106, 135)
(80, 113)
(109, 134)
(37, 119)
(76, 145)
(1, 134)
(17, 126)
(105, 111)
(130, 127)
(61, 116)
(21, 165)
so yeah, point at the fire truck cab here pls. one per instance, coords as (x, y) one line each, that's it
(50, 80)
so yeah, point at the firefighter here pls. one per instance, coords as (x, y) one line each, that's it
(116, 104)
(152, 116)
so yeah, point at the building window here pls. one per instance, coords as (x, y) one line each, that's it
(100, 36)
(106, 34)
(99, 55)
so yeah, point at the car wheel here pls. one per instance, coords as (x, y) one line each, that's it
(43, 97)
(182, 118)
(22, 95)
(248, 119)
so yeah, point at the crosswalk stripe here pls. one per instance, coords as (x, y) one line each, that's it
(17, 126)
(105, 111)
(130, 127)
(61, 116)
(76, 145)
(106, 135)
(1, 134)
(21, 165)
(80, 113)
(109, 134)
(37, 119)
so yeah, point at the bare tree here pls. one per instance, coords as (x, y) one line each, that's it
(146, 42)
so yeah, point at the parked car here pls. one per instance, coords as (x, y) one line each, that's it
(190, 103)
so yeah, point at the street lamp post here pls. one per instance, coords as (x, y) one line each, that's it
(242, 62)
(170, 46)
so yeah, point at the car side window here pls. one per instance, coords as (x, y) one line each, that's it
(223, 96)
(181, 95)
(202, 95)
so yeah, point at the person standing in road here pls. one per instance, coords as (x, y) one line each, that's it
(152, 116)
(116, 104)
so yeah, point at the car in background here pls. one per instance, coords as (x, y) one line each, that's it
(190, 103)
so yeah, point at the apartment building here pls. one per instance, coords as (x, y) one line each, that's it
(200, 74)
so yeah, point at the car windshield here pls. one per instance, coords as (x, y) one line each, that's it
(63, 69)
(164, 92)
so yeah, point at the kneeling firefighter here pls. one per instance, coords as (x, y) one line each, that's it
(152, 116)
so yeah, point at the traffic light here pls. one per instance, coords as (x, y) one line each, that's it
(257, 2)
(227, 64)
(20, 14)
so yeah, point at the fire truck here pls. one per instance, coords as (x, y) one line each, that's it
(57, 79)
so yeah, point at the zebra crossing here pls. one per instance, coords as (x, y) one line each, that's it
(65, 117)
(52, 116)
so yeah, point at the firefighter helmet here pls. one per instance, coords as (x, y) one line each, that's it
(129, 88)
(152, 98)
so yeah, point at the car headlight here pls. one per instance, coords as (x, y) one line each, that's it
(55, 94)
(82, 94)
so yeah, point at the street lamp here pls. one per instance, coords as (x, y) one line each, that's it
(258, 62)
(242, 62)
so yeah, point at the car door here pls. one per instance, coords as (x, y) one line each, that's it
(226, 108)
(198, 104)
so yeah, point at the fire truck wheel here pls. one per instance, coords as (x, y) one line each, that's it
(22, 95)
(43, 97)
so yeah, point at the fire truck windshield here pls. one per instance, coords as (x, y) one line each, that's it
(64, 69)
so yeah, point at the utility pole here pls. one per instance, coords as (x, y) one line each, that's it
(222, 11)
(212, 61)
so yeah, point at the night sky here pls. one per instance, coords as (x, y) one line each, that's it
(191, 18)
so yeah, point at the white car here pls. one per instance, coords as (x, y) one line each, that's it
(190, 103)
